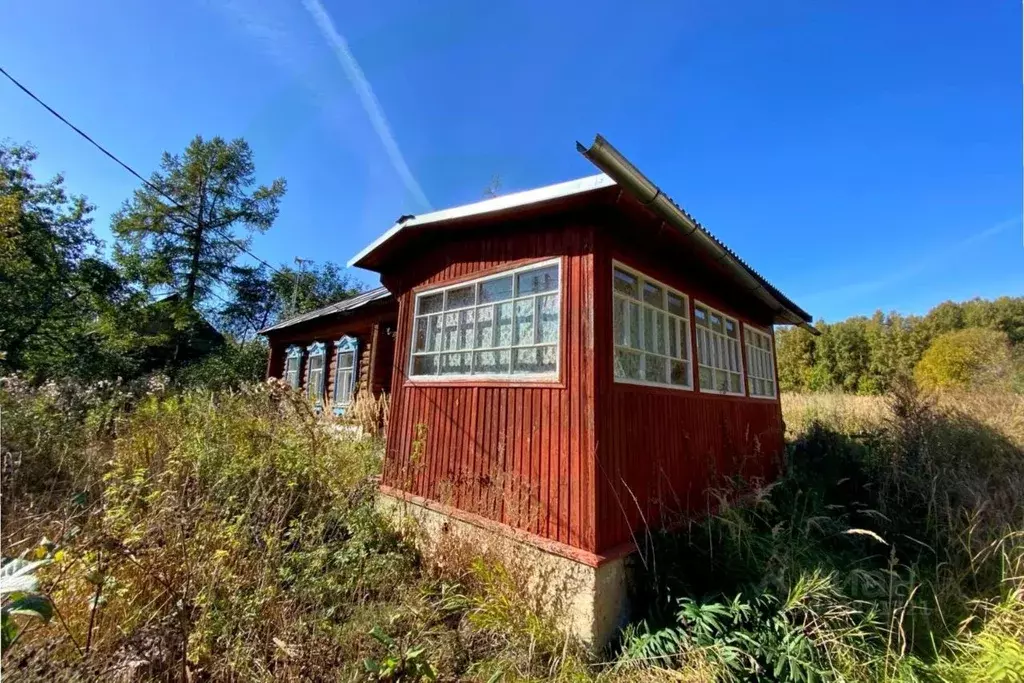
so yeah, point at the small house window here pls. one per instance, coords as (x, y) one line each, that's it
(292, 366)
(651, 330)
(760, 363)
(315, 372)
(718, 351)
(344, 372)
(505, 325)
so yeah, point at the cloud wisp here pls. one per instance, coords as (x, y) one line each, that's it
(932, 260)
(367, 98)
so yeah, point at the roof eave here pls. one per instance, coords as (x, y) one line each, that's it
(603, 155)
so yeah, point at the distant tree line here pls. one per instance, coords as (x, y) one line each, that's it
(955, 345)
(179, 295)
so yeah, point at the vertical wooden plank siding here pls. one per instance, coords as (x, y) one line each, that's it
(514, 452)
(664, 453)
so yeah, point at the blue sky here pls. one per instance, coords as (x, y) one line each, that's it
(861, 155)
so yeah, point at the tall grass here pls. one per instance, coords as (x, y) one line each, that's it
(232, 536)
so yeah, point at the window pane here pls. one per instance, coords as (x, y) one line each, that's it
(734, 383)
(491, 362)
(659, 333)
(466, 329)
(455, 363)
(654, 368)
(673, 339)
(498, 289)
(345, 359)
(731, 329)
(654, 295)
(420, 338)
(701, 314)
(434, 335)
(626, 283)
(461, 297)
(680, 373)
(721, 380)
(769, 388)
(538, 280)
(706, 378)
(548, 318)
(451, 331)
(533, 360)
(316, 362)
(424, 365)
(619, 308)
(627, 364)
(676, 305)
(634, 325)
(649, 332)
(684, 341)
(524, 322)
(430, 303)
(484, 327)
(715, 322)
(504, 337)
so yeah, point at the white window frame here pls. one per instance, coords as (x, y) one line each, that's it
(346, 344)
(672, 318)
(316, 349)
(747, 348)
(293, 352)
(739, 351)
(505, 377)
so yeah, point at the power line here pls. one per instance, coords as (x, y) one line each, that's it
(131, 170)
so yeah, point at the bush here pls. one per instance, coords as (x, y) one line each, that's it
(972, 358)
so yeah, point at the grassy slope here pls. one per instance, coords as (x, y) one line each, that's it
(232, 536)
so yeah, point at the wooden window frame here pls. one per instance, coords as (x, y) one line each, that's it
(346, 344)
(740, 349)
(508, 378)
(316, 350)
(293, 352)
(749, 330)
(684, 323)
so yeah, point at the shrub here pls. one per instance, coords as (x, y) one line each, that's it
(965, 359)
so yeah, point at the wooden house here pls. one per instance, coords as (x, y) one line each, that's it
(334, 352)
(575, 362)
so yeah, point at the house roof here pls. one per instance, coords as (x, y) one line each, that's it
(618, 171)
(343, 306)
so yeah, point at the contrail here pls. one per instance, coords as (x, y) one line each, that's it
(369, 100)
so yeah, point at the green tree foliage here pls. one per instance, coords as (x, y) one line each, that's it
(57, 291)
(186, 247)
(869, 355)
(260, 298)
(964, 359)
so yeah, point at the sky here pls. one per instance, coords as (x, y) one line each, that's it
(860, 155)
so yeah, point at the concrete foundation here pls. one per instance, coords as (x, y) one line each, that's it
(587, 599)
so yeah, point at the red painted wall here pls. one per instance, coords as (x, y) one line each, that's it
(662, 451)
(518, 453)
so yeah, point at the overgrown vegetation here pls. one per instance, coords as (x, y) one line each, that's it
(232, 535)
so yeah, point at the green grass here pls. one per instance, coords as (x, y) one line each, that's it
(232, 535)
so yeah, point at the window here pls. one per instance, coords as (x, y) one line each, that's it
(651, 331)
(760, 363)
(346, 350)
(315, 372)
(504, 325)
(292, 364)
(718, 351)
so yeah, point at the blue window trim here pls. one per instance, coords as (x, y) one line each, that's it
(317, 349)
(344, 345)
(291, 353)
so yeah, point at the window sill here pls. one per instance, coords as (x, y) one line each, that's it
(652, 385)
(543, 382)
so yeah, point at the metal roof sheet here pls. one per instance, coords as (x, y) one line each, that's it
(342, 306)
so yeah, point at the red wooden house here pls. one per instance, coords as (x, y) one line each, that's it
(334, 352)
(576, 361)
